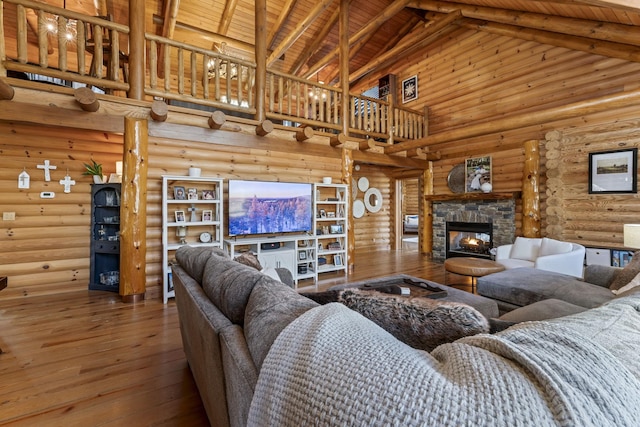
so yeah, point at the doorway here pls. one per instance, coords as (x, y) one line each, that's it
(408, 214)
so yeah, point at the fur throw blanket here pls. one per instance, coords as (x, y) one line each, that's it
(422, 323)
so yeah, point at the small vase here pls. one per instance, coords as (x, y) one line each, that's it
(97, 179)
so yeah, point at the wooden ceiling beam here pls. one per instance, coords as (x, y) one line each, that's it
(275, 29)
(225, 21)
(517, 121)
(372, 26)
(417, 40)
(583, 44)
(318, 40)
(300, 28)
(631, 5)
(598, 30)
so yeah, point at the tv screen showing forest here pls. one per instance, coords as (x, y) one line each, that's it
(261, 207)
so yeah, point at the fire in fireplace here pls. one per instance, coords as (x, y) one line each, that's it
(469, 239)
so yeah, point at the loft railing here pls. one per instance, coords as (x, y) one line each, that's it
(88, 50)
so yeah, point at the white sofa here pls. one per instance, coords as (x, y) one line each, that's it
(543, 254)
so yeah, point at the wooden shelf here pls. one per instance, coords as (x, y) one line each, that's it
(473, 196)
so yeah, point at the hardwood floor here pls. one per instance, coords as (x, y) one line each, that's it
(87, 359)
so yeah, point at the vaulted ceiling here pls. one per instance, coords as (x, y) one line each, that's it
(303, 34)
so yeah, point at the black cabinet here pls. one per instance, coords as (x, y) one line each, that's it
(105, 237)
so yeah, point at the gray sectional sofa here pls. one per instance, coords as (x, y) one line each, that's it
(263, 355)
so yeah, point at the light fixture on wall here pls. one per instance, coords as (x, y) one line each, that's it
(632, 236)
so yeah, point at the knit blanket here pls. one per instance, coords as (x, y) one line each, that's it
(333, 367)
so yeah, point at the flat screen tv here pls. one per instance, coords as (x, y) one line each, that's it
(262, 207)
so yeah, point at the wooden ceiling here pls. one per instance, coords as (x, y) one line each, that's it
(303, 34)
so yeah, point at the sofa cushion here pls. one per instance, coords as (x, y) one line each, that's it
(194, 259)
(515, 263)
(525, 248)
(553, 247)
(422, 323)
(542, 310)
(524, 286)
(627, 274)
(228, 285)
(271, 307)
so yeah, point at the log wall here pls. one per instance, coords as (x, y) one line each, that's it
(46, 249)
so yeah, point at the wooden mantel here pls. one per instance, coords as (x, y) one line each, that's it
(472, 196)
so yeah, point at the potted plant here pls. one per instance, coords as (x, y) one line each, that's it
(94, 169)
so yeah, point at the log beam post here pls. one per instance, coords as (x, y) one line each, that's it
(136, 49)
(6, 91)
(261, 58)
(264, 128)
(304, 133)
(347, 175)
(133, 211)
(159, 111)
(425, 232)
(86, 99)
(530, 190)
(217, 119)
(337, 140)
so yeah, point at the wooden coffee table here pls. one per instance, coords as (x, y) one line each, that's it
(471, 266)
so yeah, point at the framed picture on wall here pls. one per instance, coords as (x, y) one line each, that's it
(478, 175)
(613, 171)
(410, 89)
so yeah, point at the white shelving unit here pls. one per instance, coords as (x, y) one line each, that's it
(330, 226)
(196, 219)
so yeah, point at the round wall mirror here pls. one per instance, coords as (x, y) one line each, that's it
(373, 200)
(358, 209)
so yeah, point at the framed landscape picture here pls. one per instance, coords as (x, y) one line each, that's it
(478, 174)
(613, 171)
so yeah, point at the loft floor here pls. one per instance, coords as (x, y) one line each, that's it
(85, 358)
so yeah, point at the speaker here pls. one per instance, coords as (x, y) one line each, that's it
(270, 245)
(302, 269)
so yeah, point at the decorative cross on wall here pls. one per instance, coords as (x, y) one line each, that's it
(23, 179)
(46, 166)
(67, 182)
(193, 210)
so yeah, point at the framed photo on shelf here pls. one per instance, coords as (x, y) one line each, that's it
(335, 229)
(613, 171)
(477, 174)
(207, 195)
(178, 193)
(192, 194)
(207, 215)
(337, 260)
(302, 256)
(180, 216)
(323, 213)
(331, 214)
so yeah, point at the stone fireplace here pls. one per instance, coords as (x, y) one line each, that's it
(490, 220)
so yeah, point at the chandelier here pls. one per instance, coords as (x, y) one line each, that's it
(223, 65)
(57, 23)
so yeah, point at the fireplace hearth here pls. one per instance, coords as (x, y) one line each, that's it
(469, 239)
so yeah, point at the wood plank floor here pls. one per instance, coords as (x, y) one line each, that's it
(87, 359)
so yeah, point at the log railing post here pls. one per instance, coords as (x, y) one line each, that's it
(133, 212)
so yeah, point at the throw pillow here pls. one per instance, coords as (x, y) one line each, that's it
(635, 282)
(250, 259)
(627, 274)
(422, 323)
(525, 248)
(554, 247)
